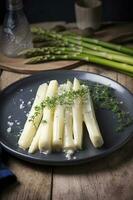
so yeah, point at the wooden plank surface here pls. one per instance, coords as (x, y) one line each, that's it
(18, 65)
(34, 182)
(105, 179)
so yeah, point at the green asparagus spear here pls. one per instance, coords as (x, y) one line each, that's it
(91, 43)
(89, 58)
(46, 50)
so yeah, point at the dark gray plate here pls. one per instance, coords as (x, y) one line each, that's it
(10, 100)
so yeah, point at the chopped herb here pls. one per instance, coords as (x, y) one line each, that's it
(44, 121)
(102, 97)
(66, 98)
(32, 119)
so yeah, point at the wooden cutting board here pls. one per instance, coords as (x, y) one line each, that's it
(18, 65)
(107, 33)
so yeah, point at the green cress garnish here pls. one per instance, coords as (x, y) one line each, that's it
(102, 97)
(67, 99)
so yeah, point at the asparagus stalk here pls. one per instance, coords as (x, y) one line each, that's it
(41, 38)
(89, 58)
(90, 43)
(50, 43)
(86, 44)
(46, 50)
(109, 45)
(77, 117)
(68, 142)
(34, 145)
(58, 125)
(91, 123)
(46, 132)
(31, 126)
(68, 39)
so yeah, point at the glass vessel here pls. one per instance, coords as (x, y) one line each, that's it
(16, 35)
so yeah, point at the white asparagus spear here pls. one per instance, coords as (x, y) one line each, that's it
(30, 128)
(34, 145)
(58, 124)
(91, 123)
(46, 130)
(68, 142)
(77, 117)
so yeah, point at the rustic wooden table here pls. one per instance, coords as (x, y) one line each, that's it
(110, 178)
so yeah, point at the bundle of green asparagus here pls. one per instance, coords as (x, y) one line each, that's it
(73, 47)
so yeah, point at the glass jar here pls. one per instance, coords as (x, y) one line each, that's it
(16, 35)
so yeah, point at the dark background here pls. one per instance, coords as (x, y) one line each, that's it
(63, 10)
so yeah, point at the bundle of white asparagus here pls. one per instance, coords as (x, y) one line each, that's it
(53, 124)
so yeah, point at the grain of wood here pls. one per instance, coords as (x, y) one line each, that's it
(126, 81)
(9, 77)
(114, 32)
(34, 182)
(106, 179)
(99, 180)
(18, 65)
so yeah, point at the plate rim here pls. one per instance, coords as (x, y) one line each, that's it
(64, 162)
(63, 70)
